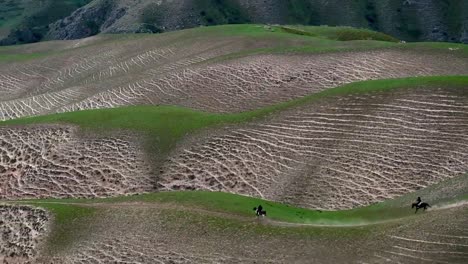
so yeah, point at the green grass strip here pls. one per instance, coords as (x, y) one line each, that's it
(69, 223)
(243, 206)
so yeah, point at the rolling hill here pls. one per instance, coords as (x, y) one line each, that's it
(155, 147)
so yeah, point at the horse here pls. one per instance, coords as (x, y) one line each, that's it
(260, 212)
(419, 206)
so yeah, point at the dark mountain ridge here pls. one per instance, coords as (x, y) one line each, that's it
(410, 20)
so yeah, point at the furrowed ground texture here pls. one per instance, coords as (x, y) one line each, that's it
(427, 238)
(338, 152)
(190, 68)
(22, 229)
(330, 148)
(334, 154)
(58, 161)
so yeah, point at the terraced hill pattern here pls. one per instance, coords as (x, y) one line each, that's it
(334, 154)
(349, 131)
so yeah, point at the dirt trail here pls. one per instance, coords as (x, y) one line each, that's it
(261, 220)
(448, 205)
(117, 235)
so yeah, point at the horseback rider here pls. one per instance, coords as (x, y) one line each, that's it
(418, 201)
(420, 204)
(259, 210)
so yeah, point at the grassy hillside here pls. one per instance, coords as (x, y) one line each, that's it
(287, 39)
(72, 216)
(243, 205)
(340, 33)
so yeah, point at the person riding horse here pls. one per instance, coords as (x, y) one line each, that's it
(419, 204)
(259, 211)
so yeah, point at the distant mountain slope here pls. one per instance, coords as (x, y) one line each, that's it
(411, 20)
(407, 19)
(25, 21)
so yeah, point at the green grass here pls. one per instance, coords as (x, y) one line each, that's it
(458, 49)
(163, 124)
(70, 223)
(233, 226)
(324, 32)
(447, 191)
(20, 57)
(72, 217)
(338, 33)
(243, 206)
(317, 39)
(286, 39)
(282, 42)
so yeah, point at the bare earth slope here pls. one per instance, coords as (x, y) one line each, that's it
(148, 229)
(338, 148)
(337, 153)
(59, 161)
(431, 239)
(23, 228)
(191, 68)
(257, 81)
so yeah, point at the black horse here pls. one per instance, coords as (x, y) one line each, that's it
(259, 211)
(419, 206)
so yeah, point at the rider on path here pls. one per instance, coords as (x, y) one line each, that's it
(418, 201)
(259, 210)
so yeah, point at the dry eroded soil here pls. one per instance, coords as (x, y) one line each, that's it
(337, 153)
(22, 229)
(44, 161)
(185, 70)
(334, 154)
